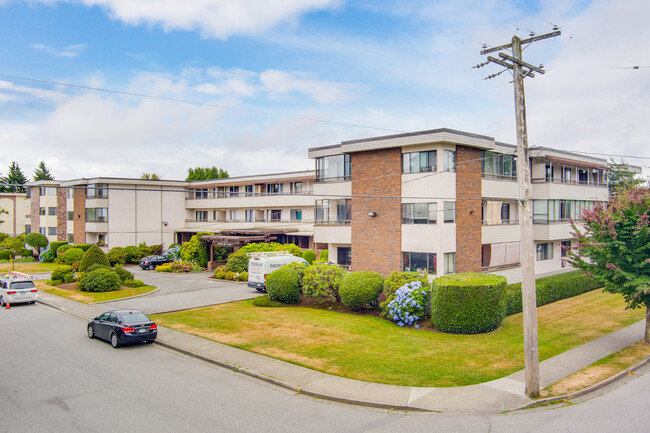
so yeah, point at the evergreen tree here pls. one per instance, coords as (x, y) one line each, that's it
(42, 173)
(621, 177)
(206, 173)
(14, 179)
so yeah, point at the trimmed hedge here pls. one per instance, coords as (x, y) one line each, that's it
(551, 289)
(468, 303)
(54, 246)
(94, 255)
(282, 286)
(63, 248)
(322, 281)
(102, 280)
(362, 288)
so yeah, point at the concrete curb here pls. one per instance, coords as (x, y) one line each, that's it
(124, 299)
(595, 387)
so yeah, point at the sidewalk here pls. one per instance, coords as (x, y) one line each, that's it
(499, 395)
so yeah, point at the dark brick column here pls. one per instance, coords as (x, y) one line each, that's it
(468, 209)
(79, 206)
(34, 209)
(377, 241)
(61, 214)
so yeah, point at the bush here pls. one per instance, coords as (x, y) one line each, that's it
(468, 303)
(81, 280)
(94, 255)
(123, 274)
(116, 256)
(145, 250)
(323, 256)
(133, 283)
(242, 276)
(322, 281)
(173, 252)
(68, 278)
(359, 289)
(238, 261)
(397, 280)
(84, 247)
(96, 266)
(178, 266)
(60, 272)
(219, 274)
(5, 255)
(310, 256)
(71, 257)
(282, 286)
(299, 267)
(265, 301)
(229, 275)
(165, 267)
(551, 289)
(55, 282)
(131, 254)
(47, 257)
(190, 250)
(54, 246)
(409, 304)
(36, 240)
(102, 280)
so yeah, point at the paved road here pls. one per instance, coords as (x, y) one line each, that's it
(54, 379)
(183, 291)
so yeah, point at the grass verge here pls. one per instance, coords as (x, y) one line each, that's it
(29, 267)
(71, 292)
(375, 350)
(599, 370)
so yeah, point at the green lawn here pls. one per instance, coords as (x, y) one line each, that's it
(29, 267)
(75, 294)
(375, 350)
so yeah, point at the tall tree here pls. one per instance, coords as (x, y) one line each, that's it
(15, 179)
(621, 177)
(206, 173)
(614, 247)
(150, 176)
(42, 172)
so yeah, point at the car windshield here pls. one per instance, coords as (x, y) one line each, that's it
(134, 318)
(22, 285)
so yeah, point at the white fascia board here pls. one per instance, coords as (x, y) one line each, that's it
(441, 137)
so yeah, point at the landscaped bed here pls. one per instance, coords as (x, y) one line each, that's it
(369, 348)
(71, 291)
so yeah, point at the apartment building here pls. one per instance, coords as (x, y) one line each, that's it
(17, 208)
(445, 201)
(43, 215)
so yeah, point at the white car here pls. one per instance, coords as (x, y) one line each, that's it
(17, 289)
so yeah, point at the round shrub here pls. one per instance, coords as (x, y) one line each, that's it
(468, 303)
(409, 304)
(54, 246)
(94, 255)
(322, 281)
(323, 256)
(102, 280)
(71, 257)
(131, 254)
(359, 289)
(96, 266)
(63, 248)
(123, 273)
(116, 256)
(299, 267)
(282, 286)
(398, 279)
(229, 275)
(219, 274)
(310, 256)
(60, 272)
(237, 262)
(133, 283)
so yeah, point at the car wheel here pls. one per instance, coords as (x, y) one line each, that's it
(91, 331)
(151, 267)
(114, 341)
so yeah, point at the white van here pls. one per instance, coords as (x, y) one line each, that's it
(262, 264)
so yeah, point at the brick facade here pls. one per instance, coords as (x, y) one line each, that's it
(377, 241)
(61, 214)
(35, 204)
(79, 224)
(468, 209)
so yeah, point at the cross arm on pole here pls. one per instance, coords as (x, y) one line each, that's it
(522, 63)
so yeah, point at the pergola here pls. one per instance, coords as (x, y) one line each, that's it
(238, 238)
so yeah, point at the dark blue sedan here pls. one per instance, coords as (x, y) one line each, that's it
(123, 327)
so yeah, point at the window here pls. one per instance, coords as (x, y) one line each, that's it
(450, 263)
(333, 168)
(51, 191)
(344, 256)
(417, 162)
(544, 251)
(250, 215)
(296, 187)
(449, 160)
(499, 212)
(274, 215)
(51, 231)
(42, 190)
(550, 211)
(565, 246)
(70, 215)
(97, 215)
(51, 211)
(201, 215)
(273, 188)
(333, 211)
(41, 230)
(70, 193)
(233, 215)
(549, 172)
(234, 191)
(583, 176)
(70, 238)
(201, 193)
(419, 213)
(450, 211)
(498, 165)
(566, 175)
(97, 190)
(41, 211)
(28, 228)
(504, 254)
(296, 214)
(248, 190)
(419, 262)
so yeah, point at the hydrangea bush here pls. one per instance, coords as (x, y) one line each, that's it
(409, 304)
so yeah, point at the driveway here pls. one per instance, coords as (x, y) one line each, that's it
(183, 291)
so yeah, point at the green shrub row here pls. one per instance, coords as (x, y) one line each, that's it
(360, 289)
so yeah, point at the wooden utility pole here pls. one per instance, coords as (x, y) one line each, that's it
(527, 245)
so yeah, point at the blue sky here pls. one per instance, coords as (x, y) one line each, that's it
(268, 80)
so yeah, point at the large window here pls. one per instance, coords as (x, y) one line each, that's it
(499, 165)
(500, 212)
(549, 211)
(296, 214)
(233, 215)
(449, 160)
(97, 215)
(249, 190)
(344, 256)
(273, 188)
(419, 213)
(51, 231)
(419, 262)
(51, 211)
(333, 168)
(201, 215)
(544, 251)
(250, 215)
(296, 187)
(70, 192)
(333, 211)
(234, 191)
(450, 263)
(51, 191)
(97, 190)
(417, 162)
(450, 211)
(274, 215)
(504, 254)
(201, 193)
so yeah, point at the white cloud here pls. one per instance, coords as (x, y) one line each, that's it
(325, 92)
(69, 51)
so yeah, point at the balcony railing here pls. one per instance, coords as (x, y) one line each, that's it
(600, 184)
(221, 194)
